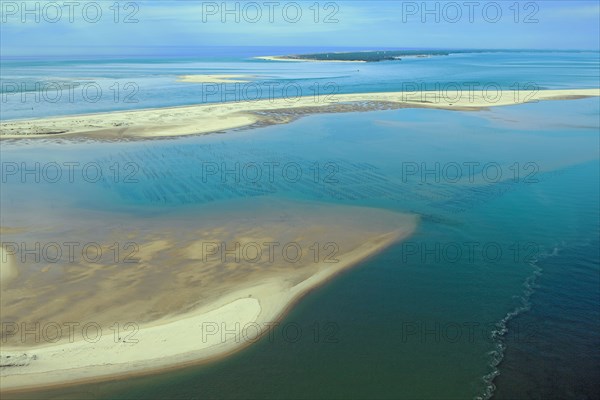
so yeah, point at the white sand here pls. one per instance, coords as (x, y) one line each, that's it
(175, 342)
(215, 117)
(243, 294)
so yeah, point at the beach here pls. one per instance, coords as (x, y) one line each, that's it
(175, 303)
(217, 117)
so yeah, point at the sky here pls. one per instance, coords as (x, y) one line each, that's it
(90, 27)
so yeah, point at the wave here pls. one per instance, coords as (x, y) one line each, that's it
(499, 333)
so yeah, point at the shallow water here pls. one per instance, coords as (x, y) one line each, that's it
(508, 215)
(500, 278)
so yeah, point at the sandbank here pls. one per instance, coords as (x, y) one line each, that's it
(178, 292)
(218, 117)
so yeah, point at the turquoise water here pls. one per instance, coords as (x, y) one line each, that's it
(32, 89)
(497, 291)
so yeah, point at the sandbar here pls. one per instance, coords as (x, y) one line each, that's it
(180, 289)
(219, 117)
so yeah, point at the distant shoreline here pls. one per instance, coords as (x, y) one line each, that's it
(357, 56)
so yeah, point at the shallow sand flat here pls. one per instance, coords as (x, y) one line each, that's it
(207, 118)
(214, 78)
(8, 268)
(179, 286)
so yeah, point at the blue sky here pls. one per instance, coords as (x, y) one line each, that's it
(542, 24)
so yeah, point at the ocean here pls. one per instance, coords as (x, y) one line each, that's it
(495, 295)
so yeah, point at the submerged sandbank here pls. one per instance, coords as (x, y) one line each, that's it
(215, 78)
(8, 268)
(174, 303)
(215, 117)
